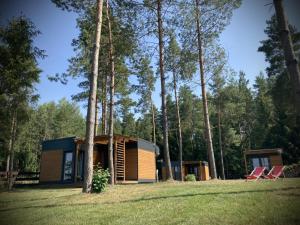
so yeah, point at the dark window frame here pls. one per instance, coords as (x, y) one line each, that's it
(63, 167)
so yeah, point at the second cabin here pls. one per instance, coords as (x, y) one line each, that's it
(62, 160)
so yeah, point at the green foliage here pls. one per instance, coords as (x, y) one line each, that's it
(100, 179)
(292, 170)
(282, 127)
(19, 75)
(190, 177)
(47, 121)
(146, 81)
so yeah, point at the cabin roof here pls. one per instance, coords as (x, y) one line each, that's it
(67, 143)
(101, 138)
(273, 151)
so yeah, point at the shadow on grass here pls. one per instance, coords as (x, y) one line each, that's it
(47, 186)
(157, 198)
(28, 187)
(38, 199)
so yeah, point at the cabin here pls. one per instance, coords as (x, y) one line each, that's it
(62, 160)
(263, 157)
(198, 168)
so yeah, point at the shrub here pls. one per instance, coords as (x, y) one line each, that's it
(292, 170)
(190, 177)
(100, 179)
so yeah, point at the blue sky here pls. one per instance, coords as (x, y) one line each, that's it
(240, 39)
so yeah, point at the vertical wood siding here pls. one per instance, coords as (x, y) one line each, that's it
(146, 164)
(96, 157)
(51, 166)
(276, 160)
(131, 164)
(204, 173)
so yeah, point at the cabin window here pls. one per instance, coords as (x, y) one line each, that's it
(255, 162)
(264, 161)
(68, 166)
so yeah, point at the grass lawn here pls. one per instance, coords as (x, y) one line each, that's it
(211, 202)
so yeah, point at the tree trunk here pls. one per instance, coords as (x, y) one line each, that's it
(90, 120)
(220, 141)
(104, 105)
(153, 123)
(11, 151)
(178, 127)
(210, 149)
(111, 103)
(163, 94)
(96, 117)
(289, 55)
(10, 143)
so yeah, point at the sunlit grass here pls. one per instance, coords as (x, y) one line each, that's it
(212, 202)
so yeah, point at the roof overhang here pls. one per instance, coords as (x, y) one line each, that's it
(103, 139)
(274, 151)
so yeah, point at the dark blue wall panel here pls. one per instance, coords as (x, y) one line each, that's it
(66, 144)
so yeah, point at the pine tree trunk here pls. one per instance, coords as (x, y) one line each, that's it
(210, 150)
(178, 127)
(90, 120)
(163, 94)
(96, 117)
(220, 141)
(153, 123)
(104, 105)
(111, 103)
(289, 55)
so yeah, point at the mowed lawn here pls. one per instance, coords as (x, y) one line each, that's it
(211, 202)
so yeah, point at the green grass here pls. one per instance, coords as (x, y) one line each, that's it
(211, 202)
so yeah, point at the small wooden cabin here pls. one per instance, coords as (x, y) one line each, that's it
(62, 160)
(198, 168)
(263, 157)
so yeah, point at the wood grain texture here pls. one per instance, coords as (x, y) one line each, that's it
(146, 164)
(96, 157)
(276, 160)
(131, 164)
(51, 165)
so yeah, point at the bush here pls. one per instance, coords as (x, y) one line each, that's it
(292, 170)
(100, 179)
(190, 177)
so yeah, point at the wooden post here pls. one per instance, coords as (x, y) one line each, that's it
(115, 160)
(124, 154)
(76, 162)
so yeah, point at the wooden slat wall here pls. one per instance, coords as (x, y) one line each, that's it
(96, 157)
(146, 164)
(276, 160)
(131, 164)
(204, 173)
(51, 165)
